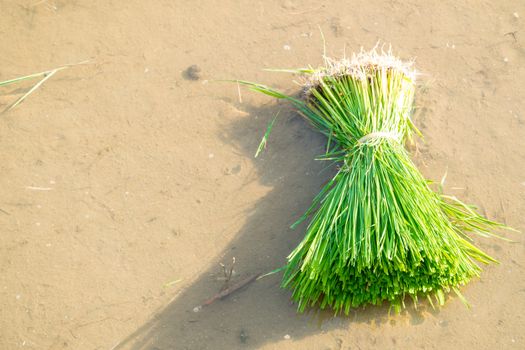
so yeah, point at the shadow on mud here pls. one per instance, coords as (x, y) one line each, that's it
(261, 313)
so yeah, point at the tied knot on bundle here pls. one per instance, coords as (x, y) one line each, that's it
(373, 137)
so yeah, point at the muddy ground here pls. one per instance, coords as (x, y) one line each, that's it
(127, 180)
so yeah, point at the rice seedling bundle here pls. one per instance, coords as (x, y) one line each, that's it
(377, 232)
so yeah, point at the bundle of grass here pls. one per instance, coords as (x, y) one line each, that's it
(377, 231)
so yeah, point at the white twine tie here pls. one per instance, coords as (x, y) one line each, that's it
(380, 134)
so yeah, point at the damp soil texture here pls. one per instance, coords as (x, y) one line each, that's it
(127, 180)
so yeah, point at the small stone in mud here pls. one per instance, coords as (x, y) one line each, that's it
(243, 337)
(193, 72)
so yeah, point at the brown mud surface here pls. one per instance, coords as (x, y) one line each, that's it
(129, 172)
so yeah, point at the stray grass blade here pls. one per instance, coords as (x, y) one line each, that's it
(442, 182)
(171, 283)
(15, 80)
(264, 140)
(36, 86)
(272, 272)
(45, 76)
(293, 71)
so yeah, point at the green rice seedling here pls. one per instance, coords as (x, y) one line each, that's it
(377, 232)
(264, 140)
